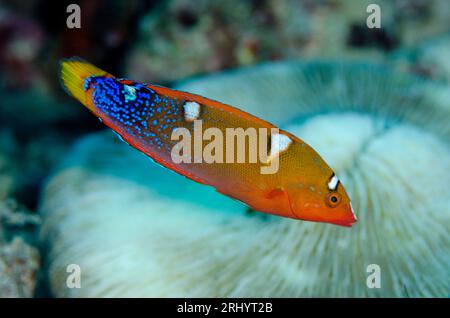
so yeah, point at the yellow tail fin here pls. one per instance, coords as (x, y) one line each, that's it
(74, 71)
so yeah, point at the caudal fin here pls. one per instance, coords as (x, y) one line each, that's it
(74, 72)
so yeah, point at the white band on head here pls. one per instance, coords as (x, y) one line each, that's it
(332, 184)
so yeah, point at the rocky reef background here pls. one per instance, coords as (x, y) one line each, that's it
(163, 42)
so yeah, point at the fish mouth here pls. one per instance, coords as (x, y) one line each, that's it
(347, 222)
(344, 223)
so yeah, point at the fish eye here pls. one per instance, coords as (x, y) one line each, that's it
(333, 199)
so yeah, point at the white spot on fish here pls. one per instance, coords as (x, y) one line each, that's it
(191, 111)
(332, 184)
(278, 144)
(130, 92)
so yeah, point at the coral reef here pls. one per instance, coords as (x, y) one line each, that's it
(180, 38)
(19, 263)
(133, 233)
(19, 260)
(428, 59)
(164, 41)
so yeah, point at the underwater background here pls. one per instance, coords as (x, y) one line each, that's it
(375, 103)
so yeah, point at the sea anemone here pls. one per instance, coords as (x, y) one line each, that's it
(137, 229)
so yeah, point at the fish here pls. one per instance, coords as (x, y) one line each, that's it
(177, 129)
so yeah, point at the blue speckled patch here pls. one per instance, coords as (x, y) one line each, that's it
(135, 107)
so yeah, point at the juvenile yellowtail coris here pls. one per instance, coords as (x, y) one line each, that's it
(191, 135)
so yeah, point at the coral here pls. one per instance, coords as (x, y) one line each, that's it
(183, 38)
(428, 58)
(20, 42)
(180, 38)
(19, 263)
(19, 260)
(137, 229)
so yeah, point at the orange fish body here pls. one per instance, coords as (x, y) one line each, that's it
(199, 138)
